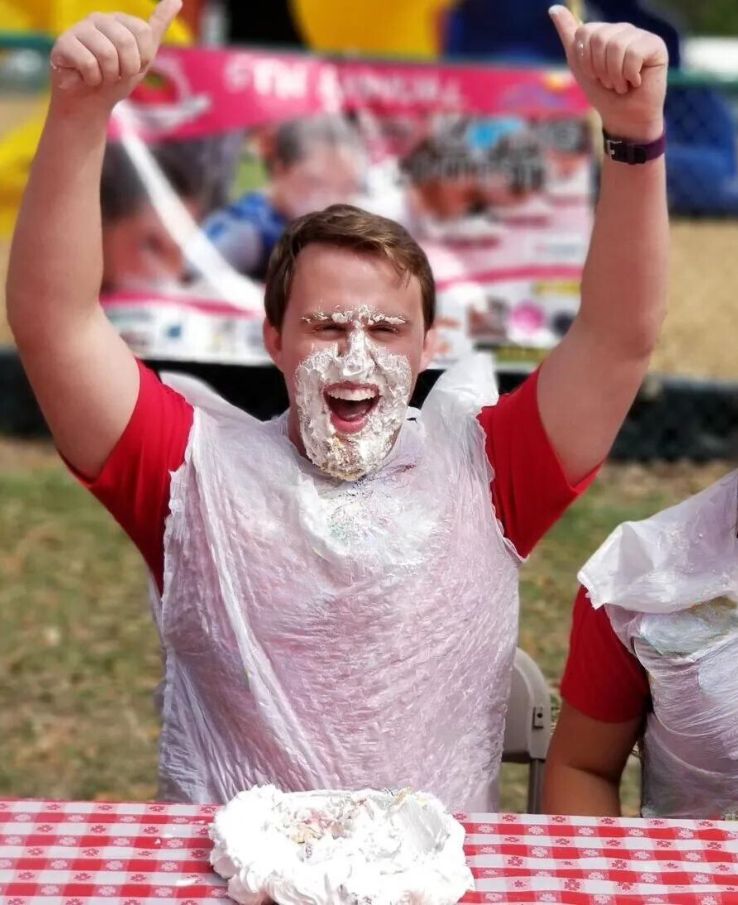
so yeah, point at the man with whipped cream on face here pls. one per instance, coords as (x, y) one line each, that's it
(337, 588)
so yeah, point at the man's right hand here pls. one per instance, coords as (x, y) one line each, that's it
(103, 57)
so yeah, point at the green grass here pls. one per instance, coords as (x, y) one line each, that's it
(79, 656)
(78, 653)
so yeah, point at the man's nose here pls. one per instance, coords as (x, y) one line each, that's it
(344, 344)
(352, 340)
(353, 352)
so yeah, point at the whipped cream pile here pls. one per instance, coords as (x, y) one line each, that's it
(339, 848)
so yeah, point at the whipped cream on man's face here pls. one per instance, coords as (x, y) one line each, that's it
(339, 848)
(352, 395)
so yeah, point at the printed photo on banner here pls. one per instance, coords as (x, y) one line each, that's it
(218, 150)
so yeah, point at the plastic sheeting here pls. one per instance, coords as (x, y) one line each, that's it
(324, 634)
(671, 588)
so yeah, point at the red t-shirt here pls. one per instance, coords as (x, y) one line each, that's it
(529, 491)
(602, 678)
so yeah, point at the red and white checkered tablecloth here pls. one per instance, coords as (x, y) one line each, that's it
(62, 853)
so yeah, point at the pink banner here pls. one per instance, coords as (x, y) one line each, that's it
(489, 168)
(196, 92)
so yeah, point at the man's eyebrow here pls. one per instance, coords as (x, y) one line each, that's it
(395, 320)
(318, 317)
(365, 316)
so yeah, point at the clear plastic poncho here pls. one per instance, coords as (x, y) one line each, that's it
(325, 634)
(670, 584)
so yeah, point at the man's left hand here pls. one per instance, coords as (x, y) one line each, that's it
(622, 70)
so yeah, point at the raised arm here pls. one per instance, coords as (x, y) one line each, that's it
(589, 381)
(84, 376)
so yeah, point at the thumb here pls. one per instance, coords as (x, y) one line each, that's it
(163, 16)
(566, 25)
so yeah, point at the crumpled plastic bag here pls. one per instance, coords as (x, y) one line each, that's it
(685, 555)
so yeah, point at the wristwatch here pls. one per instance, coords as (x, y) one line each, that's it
(624, 151)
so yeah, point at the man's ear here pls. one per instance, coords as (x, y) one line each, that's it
(430, 347)
(273, 342)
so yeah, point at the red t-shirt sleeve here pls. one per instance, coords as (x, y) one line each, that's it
(529, 490)
(602, 678)
(134, 482)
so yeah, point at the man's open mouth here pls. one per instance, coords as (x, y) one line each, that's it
(350, 405)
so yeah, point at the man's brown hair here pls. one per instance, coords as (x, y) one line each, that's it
(347, 227)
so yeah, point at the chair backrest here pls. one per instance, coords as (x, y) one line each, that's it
(528, 724)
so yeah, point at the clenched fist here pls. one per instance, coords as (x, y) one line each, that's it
(104, 57)
(622, 70)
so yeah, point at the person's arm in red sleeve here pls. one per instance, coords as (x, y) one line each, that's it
(530, 489)
(134, 482)
(605, 701)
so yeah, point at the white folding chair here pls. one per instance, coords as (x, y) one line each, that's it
(528, 724)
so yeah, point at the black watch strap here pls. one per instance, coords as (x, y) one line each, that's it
(624, 151)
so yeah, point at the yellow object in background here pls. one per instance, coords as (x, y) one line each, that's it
(54, 16)
(50, 17)
(576, 8)
(16, 153)
(410, 28)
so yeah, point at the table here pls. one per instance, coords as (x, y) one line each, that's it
(66, 853)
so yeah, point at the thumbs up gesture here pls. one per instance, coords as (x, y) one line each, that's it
(103, 57)
(622, 70)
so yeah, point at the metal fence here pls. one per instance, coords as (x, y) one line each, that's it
(691, 408)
